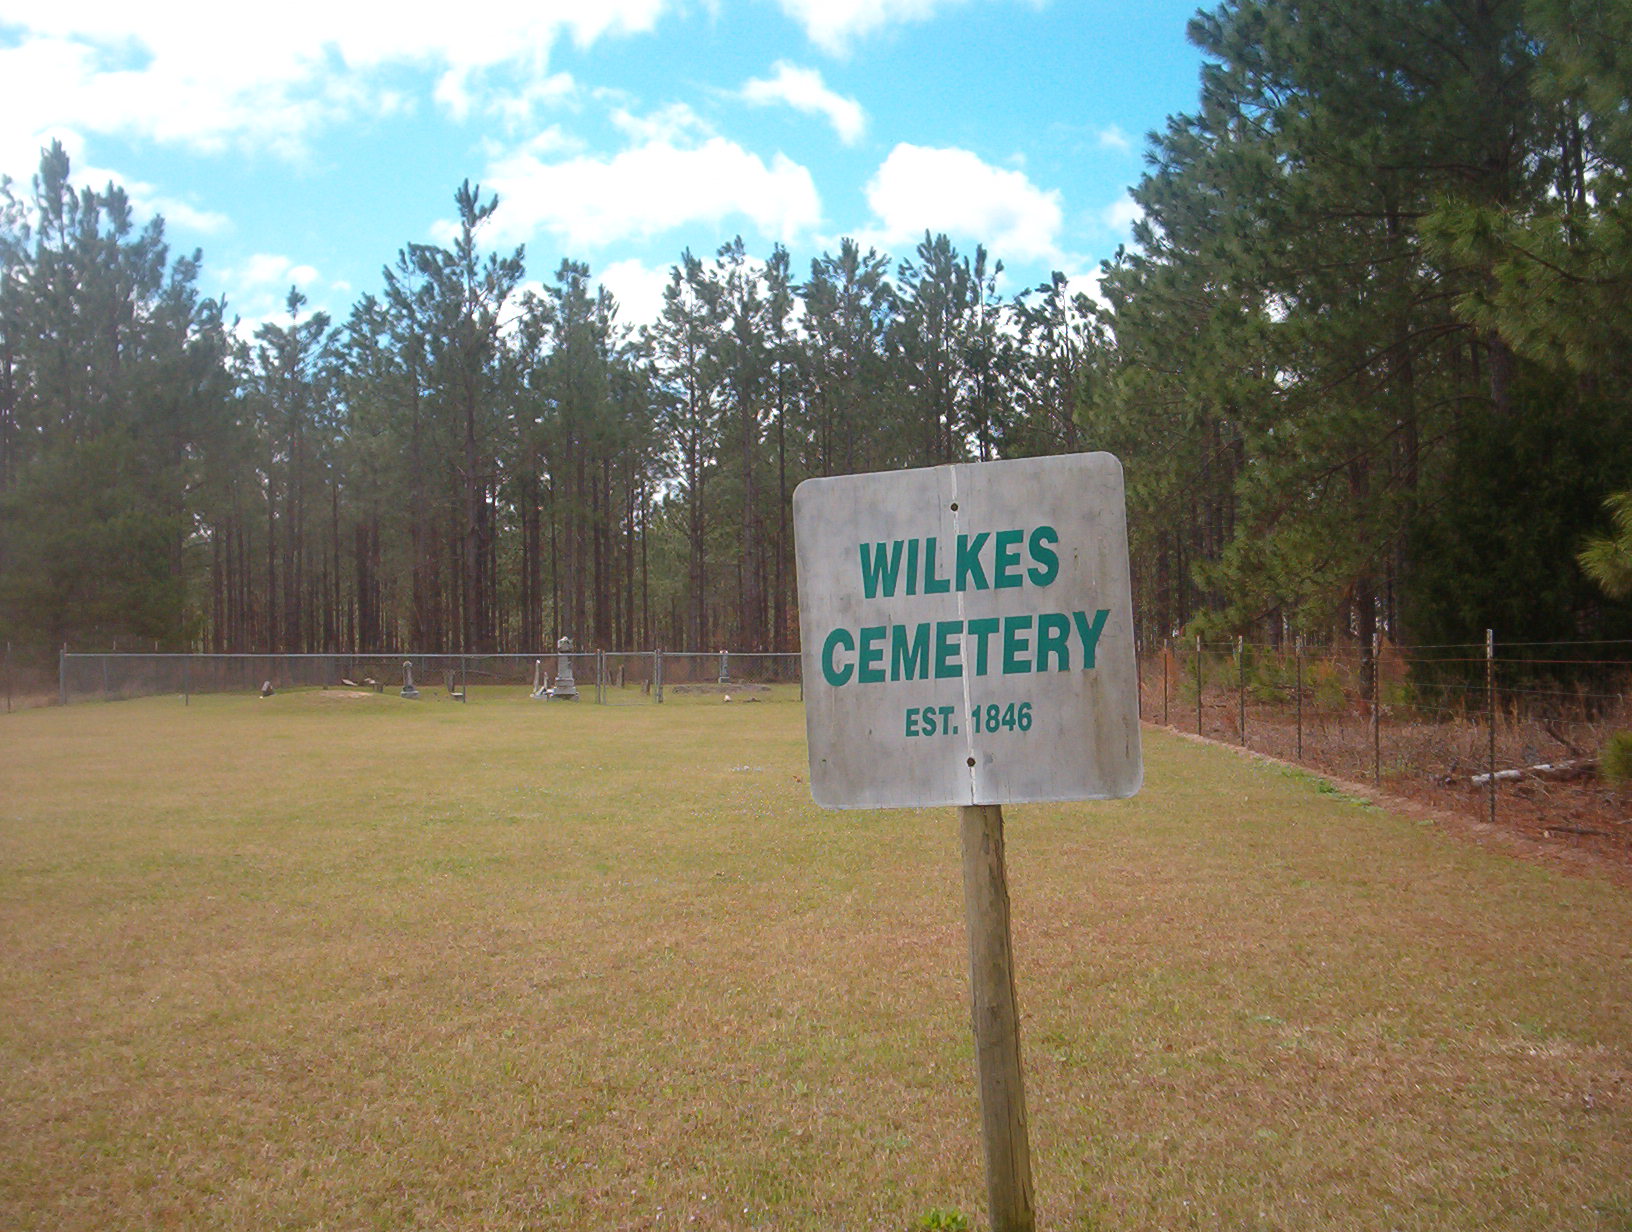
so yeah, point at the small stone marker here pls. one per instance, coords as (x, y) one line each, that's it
(541, 684)
(408, 690)
(566, 689)
(967, 635)
(266, 688)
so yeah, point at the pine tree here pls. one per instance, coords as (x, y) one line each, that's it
(1607, 559)
(849, 310)
(112, 376)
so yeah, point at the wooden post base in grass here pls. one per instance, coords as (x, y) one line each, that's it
(996, 1020)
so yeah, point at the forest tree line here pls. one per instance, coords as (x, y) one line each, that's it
(1370, 354)
(1365, 367)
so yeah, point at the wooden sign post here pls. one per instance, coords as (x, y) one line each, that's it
(968, 639)
(996, 1020)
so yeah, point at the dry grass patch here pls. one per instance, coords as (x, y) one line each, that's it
(512, 965)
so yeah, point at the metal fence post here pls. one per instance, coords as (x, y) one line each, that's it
(1376, 709)
(1198, 684)
(1299, 679)
(1490, 701)
(62, 673)
(1167, 653)
(1241, 685)
(657, 674)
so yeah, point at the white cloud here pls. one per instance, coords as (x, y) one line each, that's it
(463, 90)
(590, 201)
(544, 143)
(951, 190)
(1078, 283)
(28, 123)
(804, 90)
(638, 289)
(174, 210)
(518, 110)
(91, 88)
(20, 158)
(1121, 214)
(1113, 138)
(257, 291)
(272, 270)
(668, 125)
(207, 75)
(836, 25)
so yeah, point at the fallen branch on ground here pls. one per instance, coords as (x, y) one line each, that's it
(1555, 771)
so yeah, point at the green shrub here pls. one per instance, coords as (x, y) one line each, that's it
(938, 1220)
(1271, 677)
(1615, 762)
(1399, 695)
(1326, 682)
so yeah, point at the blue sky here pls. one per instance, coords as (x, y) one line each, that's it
(308, 142)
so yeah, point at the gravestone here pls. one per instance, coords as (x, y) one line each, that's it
(566, 689)
(408, 689)
(541, 684)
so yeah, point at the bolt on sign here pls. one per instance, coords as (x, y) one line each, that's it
(967, 634)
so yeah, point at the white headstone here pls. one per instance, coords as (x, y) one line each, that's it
(566, 688)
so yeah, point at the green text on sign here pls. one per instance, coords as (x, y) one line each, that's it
(914, 566)
(950, 649)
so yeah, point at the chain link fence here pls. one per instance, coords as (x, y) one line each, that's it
(1501, 731)
(604, 677)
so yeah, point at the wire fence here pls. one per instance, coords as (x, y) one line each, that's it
(1507, 732)
(1510, 733)
(604, 677)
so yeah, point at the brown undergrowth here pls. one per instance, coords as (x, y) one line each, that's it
(1434, 764)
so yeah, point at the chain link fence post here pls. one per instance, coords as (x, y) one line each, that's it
(1167, 653)
(1298, 692)
(1376, 708)
(1490, 706)
(1198, 684)
(1241, 686)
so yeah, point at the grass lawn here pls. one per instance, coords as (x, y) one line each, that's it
(344, 961)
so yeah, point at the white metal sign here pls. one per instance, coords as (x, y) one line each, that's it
(968, 634)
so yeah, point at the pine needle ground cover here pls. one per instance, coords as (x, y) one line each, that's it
(344, 961)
